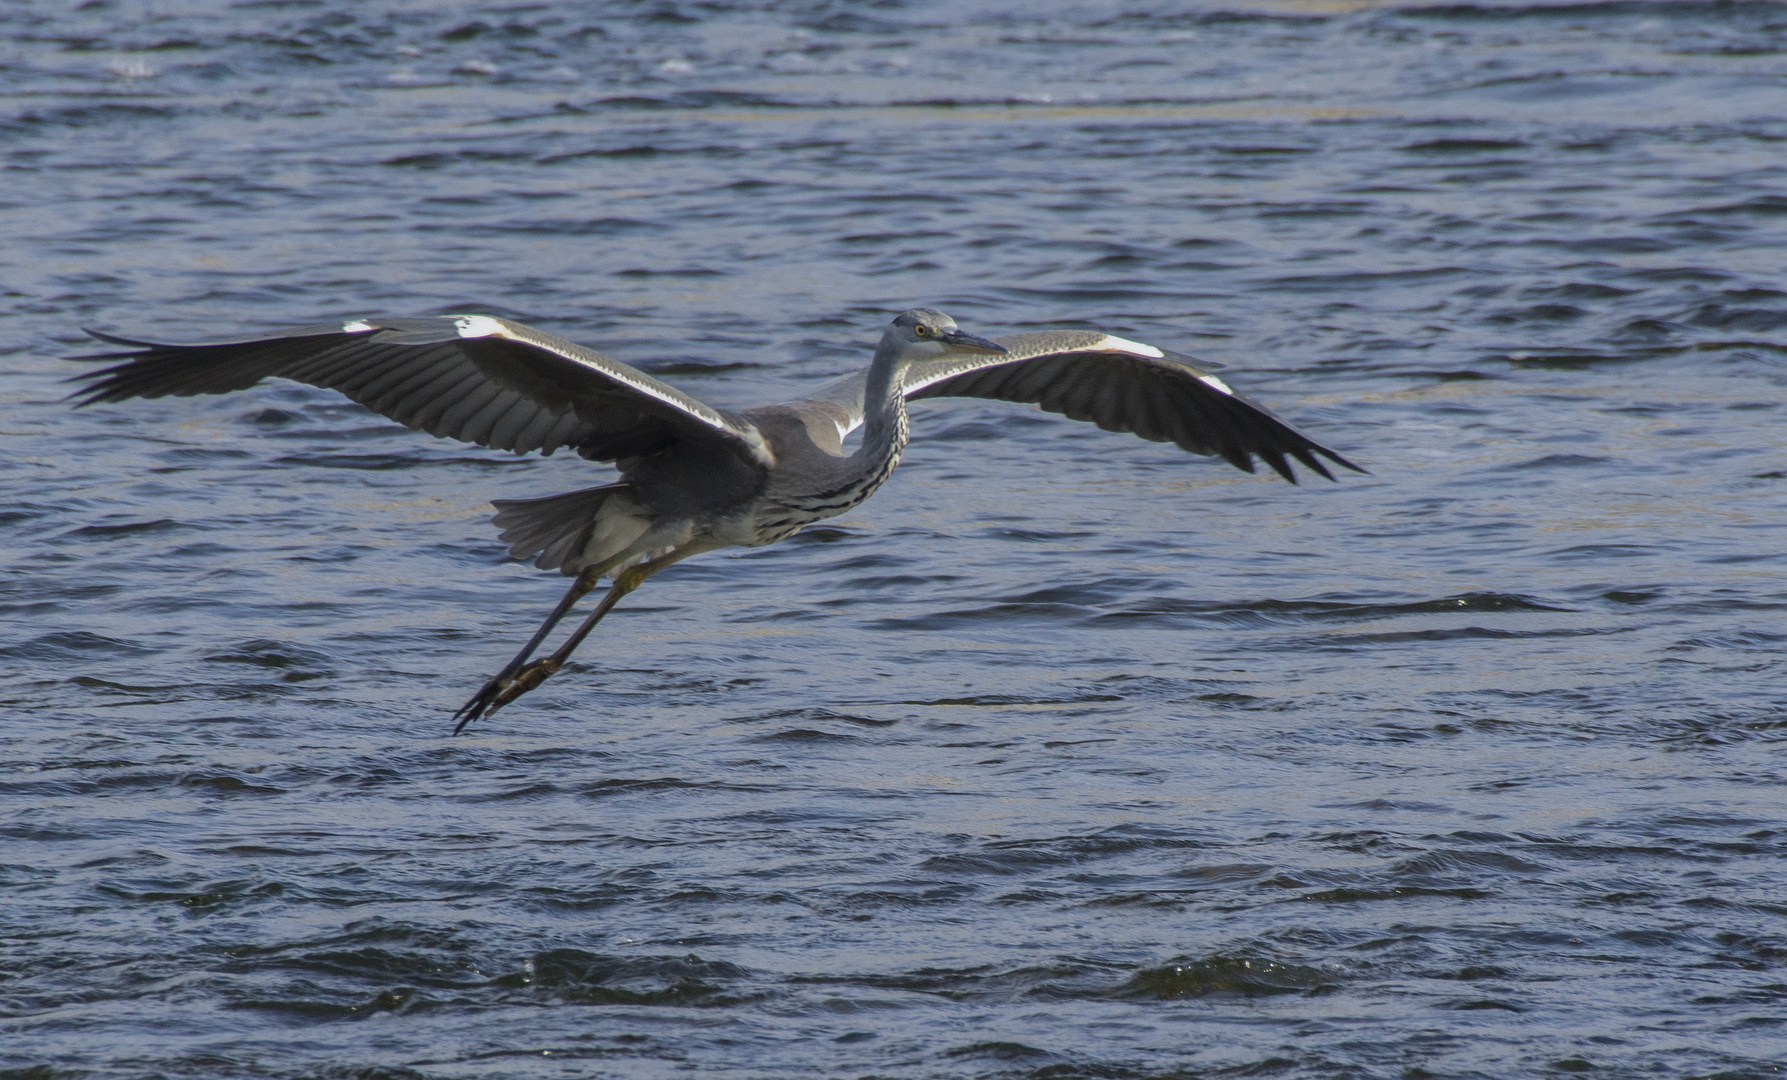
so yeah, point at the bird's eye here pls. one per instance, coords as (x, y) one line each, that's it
(922, 330)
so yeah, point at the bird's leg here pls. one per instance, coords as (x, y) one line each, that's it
(537, 672)
(528, 676)
(499, 682)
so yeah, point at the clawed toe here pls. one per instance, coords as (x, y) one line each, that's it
(479, 703)
(503, 689)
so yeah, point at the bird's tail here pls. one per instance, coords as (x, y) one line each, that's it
(557, 528)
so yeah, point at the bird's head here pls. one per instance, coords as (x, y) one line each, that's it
(928, 334)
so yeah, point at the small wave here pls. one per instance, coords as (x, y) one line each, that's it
(204, 900)
(266, 653)
(604, 226)
(1436, 865)
(815, 714)
(1570, 359)
(1462, 146)
(679, 272)
(1760, 206)
(693, 99)
(1462, 633)
(75, 645)
(1094, 294)
(1604, 551)
(1367, 280)
(226, 784)
(1596, 9)
(644, 151)
(440, 159)
(398, 1000)
(84, 116)
(577, 977)
(1022, 856)
(1719, 317)
(1555, 461)
(159, 525)
(1278, 612)
(806, 737)
(1245, 976)
(1004, 1052)
(1146, 21)
(602, 789)
(1537, 313)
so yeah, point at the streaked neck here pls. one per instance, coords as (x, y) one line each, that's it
(885, 427)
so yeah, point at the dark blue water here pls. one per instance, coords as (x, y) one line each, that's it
(1067, 755)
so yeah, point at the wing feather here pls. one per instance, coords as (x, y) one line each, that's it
(1124, 386)
(403, 384)
(536, 431)
(428, 413)
(1154, 420)
(467, 416)
(468, 377)
(508, 423)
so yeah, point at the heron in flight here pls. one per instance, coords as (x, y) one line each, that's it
(694, 478)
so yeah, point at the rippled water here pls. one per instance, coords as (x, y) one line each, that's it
(1067, 755)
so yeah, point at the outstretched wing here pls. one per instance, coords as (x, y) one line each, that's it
(471, 377)
(1124, 385)
(1117, 384)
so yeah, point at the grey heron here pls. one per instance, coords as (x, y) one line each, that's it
(694, 478)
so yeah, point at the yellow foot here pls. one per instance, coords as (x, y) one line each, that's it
(503, 689)
(526, 679)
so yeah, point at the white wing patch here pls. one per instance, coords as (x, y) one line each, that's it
(358, 326)
(478, 326)
(1113, 343)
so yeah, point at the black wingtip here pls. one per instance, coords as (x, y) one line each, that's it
(1307, 455)
(1240, 459)
(1316, 466)
(96, 385)
(1342, 462)
(1310, 461)
(1278, 463)
(93, 384)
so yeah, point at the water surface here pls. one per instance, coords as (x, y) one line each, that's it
(1067, 755)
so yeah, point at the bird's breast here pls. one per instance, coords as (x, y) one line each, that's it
(782, 513)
